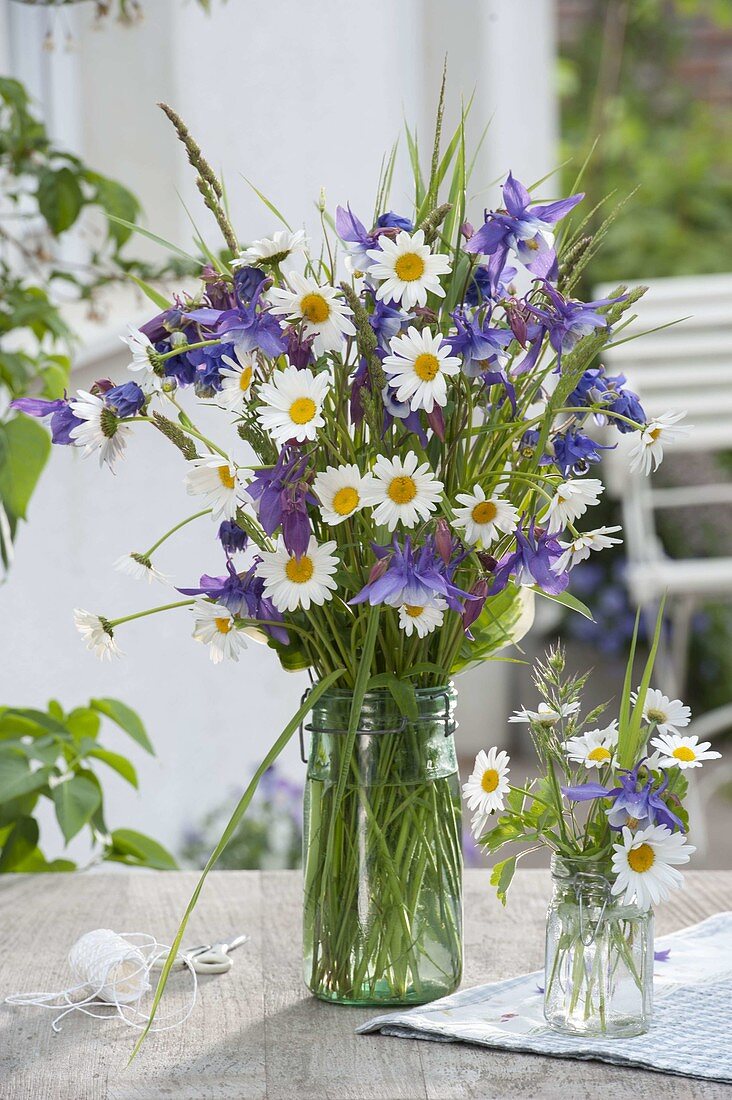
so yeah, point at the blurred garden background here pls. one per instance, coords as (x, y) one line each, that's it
(641, 87)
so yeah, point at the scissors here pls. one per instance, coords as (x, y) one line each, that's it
(207, 958)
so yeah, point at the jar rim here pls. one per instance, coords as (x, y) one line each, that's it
(567, 867)
(422, 693)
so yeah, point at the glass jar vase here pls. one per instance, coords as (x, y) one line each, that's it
(382, 863)
(599, 955)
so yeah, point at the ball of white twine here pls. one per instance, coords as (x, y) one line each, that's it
(112, 971)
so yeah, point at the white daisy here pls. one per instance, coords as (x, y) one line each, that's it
(683, 751)
(401, 491)
(424, 618)
(320, 309)
(293, 404)
(100, 429)
(216, 479)
(647, 452)
(482, 517)
(340, 492)
(277, 247)
(215, 627)
(293, 582)
(643, 863)
(666, 714)
(488, 784)
(579, 549)
(139, 567)
(572, 499)
(595, 748)
(236, 381)
(141, 349)
(407, 270)
(418, 367)
(97, 634)
(545, 715)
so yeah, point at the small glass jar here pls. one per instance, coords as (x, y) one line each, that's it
(599, 955)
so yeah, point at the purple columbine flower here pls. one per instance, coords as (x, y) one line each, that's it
(232, 537)
(481, 347)
(528, 232)
(390, 220)
(251, 327)
(62, 422)
(568, 320)
(632, 803)
(573, 452)
(482, 285)
(300, 348)
(595, 387)
(411, 576)
(531, 562)
(242, 594)
(125, 400)
(283, 495)
(387, 320)
(662, 956)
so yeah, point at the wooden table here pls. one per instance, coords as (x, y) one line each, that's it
(255, 1031)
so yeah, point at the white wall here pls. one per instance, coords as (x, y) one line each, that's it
(296, 95)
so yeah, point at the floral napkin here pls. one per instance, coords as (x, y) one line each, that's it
(692, 993)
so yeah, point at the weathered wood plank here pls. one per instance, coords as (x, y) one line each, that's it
(255, 1032)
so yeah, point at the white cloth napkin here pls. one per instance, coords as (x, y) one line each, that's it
(691, 1033)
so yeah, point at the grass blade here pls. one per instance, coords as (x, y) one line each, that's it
(154, 237)
(270, 205)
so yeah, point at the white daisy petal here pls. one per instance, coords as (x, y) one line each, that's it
(319, 308)
(293, 404)
(281, 244)
(483, 518)
(217, 480)
(579, 548)
(407, 270)
(340, 492)
(215, 626)
(424, 618)
(139, 567)
(293, 582)
(488, 785)
(667, 715)
(401, 491)
(100, 430)
(97, 634)
(595, 748)
(676, 750)
(418, 366)
(647, 453)
(644, 864)
(571, 500)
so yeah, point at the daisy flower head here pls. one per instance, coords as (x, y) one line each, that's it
(292, 582)
(216, 627)
(340, 492)
(424, 618)
(644, 864)
(97, 634)
(418, 366)
(545, 715)
(677, 750)
(664, 713)
(407, 270)
(320, 309)
(488, 785)
(274, 249)
(236, 380)
(579, 549)
(99, 430)
(595, 748)
(217, 480)
(401, 491)
(138, 566)
(571, 500)
(293, 404)
(142, 352)
(482, 518)
(647, 452)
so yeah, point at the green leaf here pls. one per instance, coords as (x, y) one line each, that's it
(505, 830)
(11, 810)
(25, 445)
(501, 877)
(20, 844)
(115, 200)
(126, 719)
(16, 777)
(157, 299)
(83, 722)
(566, 600)
(401, 691)
(504, 621)
(114, 760)
(139, 850)
(59, 198)
(34, 723)
(241, 808)
(75, 801)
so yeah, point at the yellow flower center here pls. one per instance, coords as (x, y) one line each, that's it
(245, 379)
(345, 500)
(426, 366)
(225, 477)
(413, 610)
(656, 716)
(484, 512)
(409, 267)
(655, 434)
(315, 308)
(632, 822)
(402, 489)
(223, 625)
(300, 570)
(489, 782)
(641, 858)
(683, 752)
(600, 753)
(302, 410)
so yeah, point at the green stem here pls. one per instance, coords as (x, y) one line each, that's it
(177, 527)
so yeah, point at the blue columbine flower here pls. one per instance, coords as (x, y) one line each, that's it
(632, 801)
(62, 418)
(532, 562)
(482, 285)
(390, 220)
(595, 387)
(387, 320)
(574, 451)
(250, 327)
(125, 400)
(405, 575)
(243, 595)
(480, 346)
(283, 495)
(232, 537)
(528, 232)
(567, 320)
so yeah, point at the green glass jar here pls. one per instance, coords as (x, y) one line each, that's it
(383, 868)
(599, 955)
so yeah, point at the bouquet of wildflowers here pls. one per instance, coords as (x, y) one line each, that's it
(609, 804)
(405, 407)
